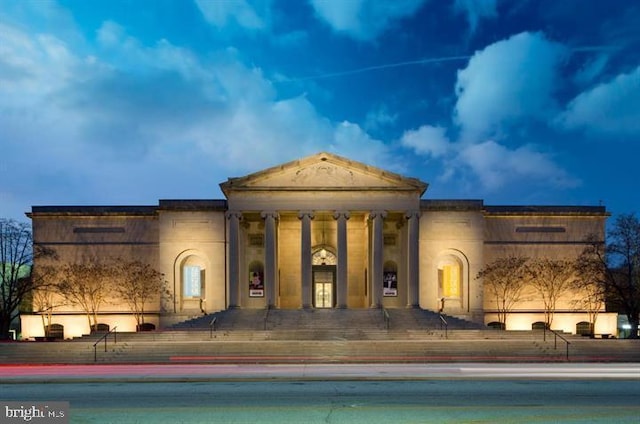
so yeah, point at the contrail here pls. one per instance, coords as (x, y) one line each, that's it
(377, 67)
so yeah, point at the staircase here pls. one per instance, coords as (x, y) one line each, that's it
(325, 320)
(321, 336)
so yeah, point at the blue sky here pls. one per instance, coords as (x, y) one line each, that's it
(127, 102)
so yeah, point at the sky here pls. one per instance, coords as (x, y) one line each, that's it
(125, 102)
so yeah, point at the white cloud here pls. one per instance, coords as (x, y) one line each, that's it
(363, 19)
(476, 10)
(497, 166)
(508, 81)
(240, 12)
(427, 140)
(352, 141)
(378, 118)
(611, 108)
(136, 123)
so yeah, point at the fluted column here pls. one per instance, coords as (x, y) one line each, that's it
(377, 266)
(413, 257)
(234, 257)
(305, 257)
(270, 264)
(342, 268)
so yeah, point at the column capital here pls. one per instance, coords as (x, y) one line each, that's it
(413, 213)
(341, 214)
(233, 214)
(377, 214)
(302, 214)
(269, 214)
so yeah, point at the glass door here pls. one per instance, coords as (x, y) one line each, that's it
(323, 286)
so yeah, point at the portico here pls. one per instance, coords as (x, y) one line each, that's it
(362, 218)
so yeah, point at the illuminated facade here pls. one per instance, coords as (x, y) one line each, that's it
(320, 232)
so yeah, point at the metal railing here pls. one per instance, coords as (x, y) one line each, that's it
(266, 317)
(104, 337)
(445, 324)
(386, 319)
(212, 326)
(555, 339)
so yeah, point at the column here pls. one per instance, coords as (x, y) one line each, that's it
(305, 257)
(270, 265)
(377, 266)
(413, 257)
(342, 267)
(234, 258)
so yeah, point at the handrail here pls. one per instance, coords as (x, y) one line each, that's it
(386, 318)
(446, 326)
(266, 317)
(555, 339)
(212, 326)
(104, 337)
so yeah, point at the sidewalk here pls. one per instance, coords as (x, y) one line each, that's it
(305, 372)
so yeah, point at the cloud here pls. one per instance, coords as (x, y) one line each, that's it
(591, 70)
(508, 81)
(497, 166)
(427, 140)
(363, 19)
(239, 12)
(476, 10)
(379, 118)
(610, 109)
(131, 123)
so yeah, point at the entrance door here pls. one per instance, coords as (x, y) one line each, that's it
(324, 280)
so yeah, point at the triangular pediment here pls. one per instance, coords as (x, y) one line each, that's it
(323, 171)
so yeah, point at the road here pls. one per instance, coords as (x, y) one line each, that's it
(411, 393)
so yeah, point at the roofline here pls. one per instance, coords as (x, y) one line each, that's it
(92, 210)
(229, 185)
(546, 210)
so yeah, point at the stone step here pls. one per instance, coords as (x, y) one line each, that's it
(473, 345)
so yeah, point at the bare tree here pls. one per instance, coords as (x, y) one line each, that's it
(88, 285)
(620, 259)
(45, 298)
(551, 279)
(505, 280)
(591, 293)
(139, 283)
(16, 261)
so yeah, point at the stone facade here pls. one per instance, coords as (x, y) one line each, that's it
(319, 232)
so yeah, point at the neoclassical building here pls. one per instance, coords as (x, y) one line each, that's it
(320, 232)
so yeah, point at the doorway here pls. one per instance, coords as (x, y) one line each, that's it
(324, 283)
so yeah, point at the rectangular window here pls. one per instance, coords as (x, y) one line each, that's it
(191, 281)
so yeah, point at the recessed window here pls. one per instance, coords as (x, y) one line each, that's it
(97, 230)
(191, 281)
(389, 239)
(256, 240)
(533, 229)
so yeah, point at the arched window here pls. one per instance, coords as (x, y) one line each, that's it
(539, 325)
(450, 278)
(54, 331)
(323, 257)
(496, 325)
(193, 277)
(584, 328)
